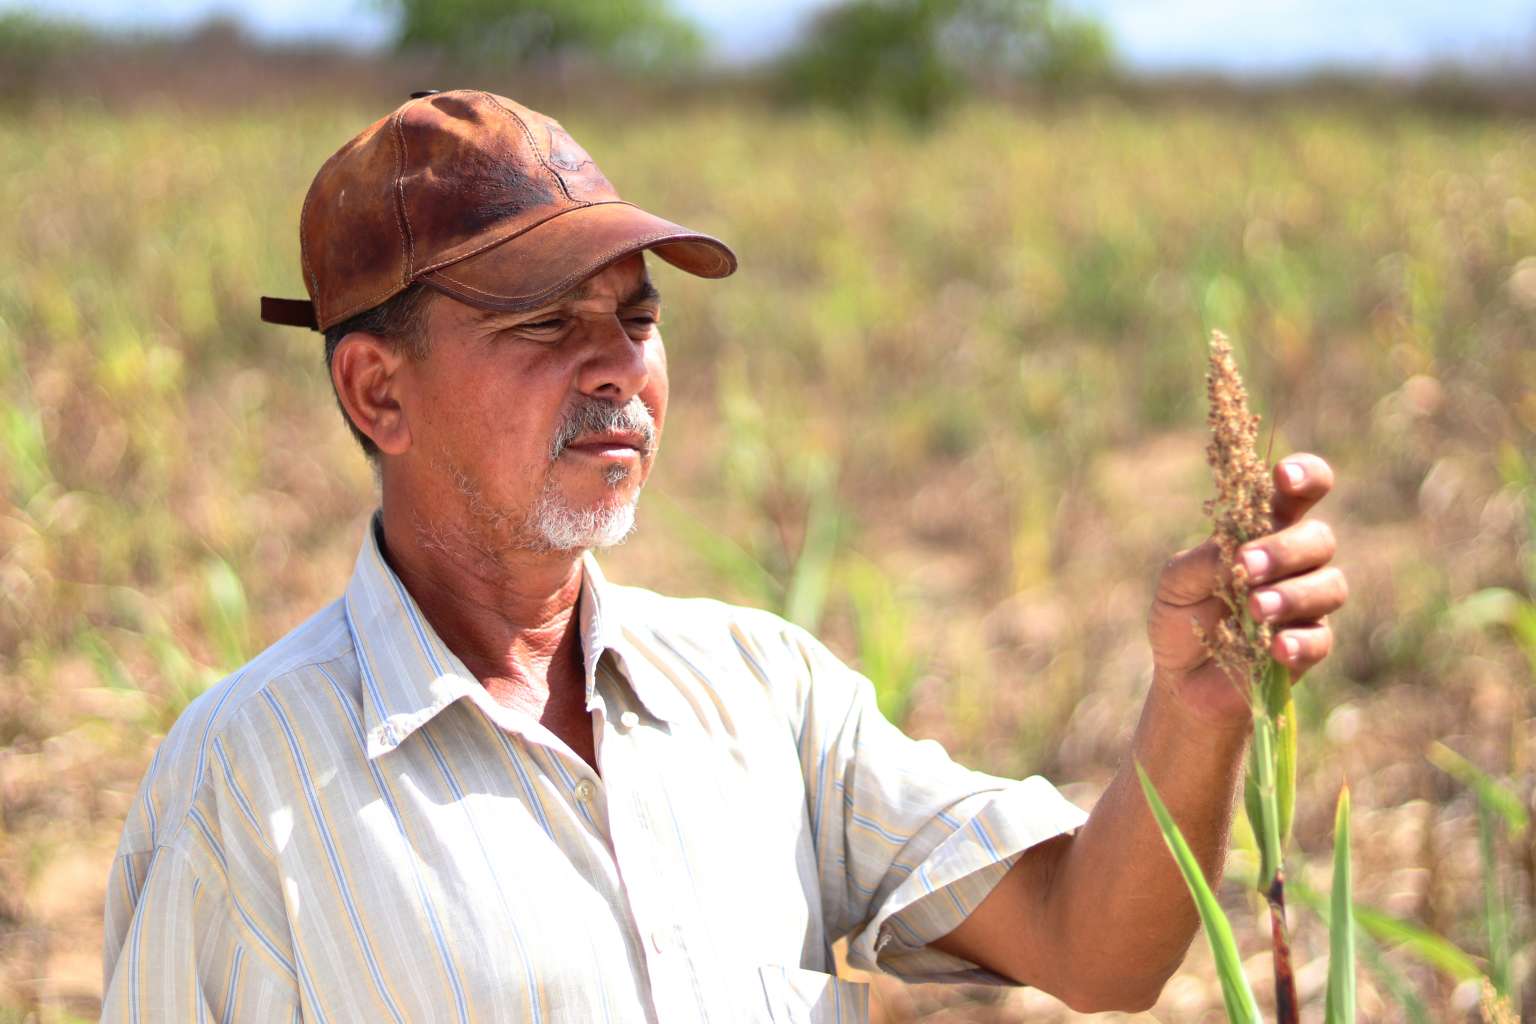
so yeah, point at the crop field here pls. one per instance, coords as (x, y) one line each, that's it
(949, 413)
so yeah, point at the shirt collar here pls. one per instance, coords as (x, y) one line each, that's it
(409, 674)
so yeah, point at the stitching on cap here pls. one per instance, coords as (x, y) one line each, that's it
(365, 304)
(559, 285)
(405, 231)
(520, 231)
(532, 144)
(405, 222)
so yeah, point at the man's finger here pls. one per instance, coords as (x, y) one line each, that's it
(1302, 598)
(1301, 646)
(1298, 548)
(1301, 481)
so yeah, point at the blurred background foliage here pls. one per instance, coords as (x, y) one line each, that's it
(949, 415)
(631, 34)
(918, 57)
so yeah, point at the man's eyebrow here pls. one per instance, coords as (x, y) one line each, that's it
(645, 292)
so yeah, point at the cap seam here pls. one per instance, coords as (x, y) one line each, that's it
(533, 144)
(405, 231)
(359, 307)
(405, 221)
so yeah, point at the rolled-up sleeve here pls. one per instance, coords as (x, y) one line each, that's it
(908, 842)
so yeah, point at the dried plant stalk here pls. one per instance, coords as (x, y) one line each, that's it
(1241, 511)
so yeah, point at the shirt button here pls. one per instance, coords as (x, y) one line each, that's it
(629, 719)
(584, 790)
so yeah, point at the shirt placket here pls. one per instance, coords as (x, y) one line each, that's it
(645, 851)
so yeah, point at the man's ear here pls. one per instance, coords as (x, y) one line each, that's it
(365, 372)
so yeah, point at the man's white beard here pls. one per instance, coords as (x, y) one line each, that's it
(553, 525)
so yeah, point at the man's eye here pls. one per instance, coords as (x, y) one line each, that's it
(543, 325)
(644, 320)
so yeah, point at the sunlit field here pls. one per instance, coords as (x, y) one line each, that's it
(949, 414)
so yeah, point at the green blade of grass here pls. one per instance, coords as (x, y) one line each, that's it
(1420, 943)
(1494, 802)
(1495, 912)
(1414, 1010)
(1341, 924)
(806, 595)
(732, 563)
(882, 622)
(1391, 979)
(1490, 792)
(1235, 991)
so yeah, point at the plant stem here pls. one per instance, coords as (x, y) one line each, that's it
(1272, 873)
(1280, 939)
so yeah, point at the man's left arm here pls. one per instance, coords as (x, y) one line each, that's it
(1102, 918)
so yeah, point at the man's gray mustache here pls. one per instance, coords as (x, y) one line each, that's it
(596, 416)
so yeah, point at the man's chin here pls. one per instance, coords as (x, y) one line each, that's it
(557, 526)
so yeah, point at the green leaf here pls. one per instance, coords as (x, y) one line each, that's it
(1414, 1010)
(1391, 979)
(1491, 793)
(1493, 606)
(732, 563)
(1341, 924)
(1235, 991)
(1495, 910)
(226, 614)
(1269, 791)
(1286, 730)
(806, 595)
(883, 624)
(1419, 942)
(1262, 769)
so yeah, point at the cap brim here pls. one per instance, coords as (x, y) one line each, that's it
(555, 255)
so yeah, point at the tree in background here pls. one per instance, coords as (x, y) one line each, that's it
(919, 56)
(30, 45)
(635, 34)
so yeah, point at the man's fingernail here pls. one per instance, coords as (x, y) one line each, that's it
(1269, 602)
(1290, 647)
(1256, 561)
(1294, 474)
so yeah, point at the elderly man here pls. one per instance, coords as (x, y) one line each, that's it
(488, 785)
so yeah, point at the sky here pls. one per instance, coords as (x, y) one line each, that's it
(1242, 37)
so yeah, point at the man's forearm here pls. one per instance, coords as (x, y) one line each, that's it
(1118, 898)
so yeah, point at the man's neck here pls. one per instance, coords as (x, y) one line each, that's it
(510, 616)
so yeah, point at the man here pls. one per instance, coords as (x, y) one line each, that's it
(487, 785)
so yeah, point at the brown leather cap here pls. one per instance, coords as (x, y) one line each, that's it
(480, 198)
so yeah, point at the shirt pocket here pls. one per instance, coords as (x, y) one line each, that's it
(798, 996)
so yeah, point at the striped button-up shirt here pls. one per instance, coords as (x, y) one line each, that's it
(351, 829)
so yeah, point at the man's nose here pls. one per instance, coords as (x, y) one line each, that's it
(615, 369)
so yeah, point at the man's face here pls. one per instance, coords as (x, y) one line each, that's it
(543, 425)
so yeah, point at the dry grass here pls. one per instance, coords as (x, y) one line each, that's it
(975, 347)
